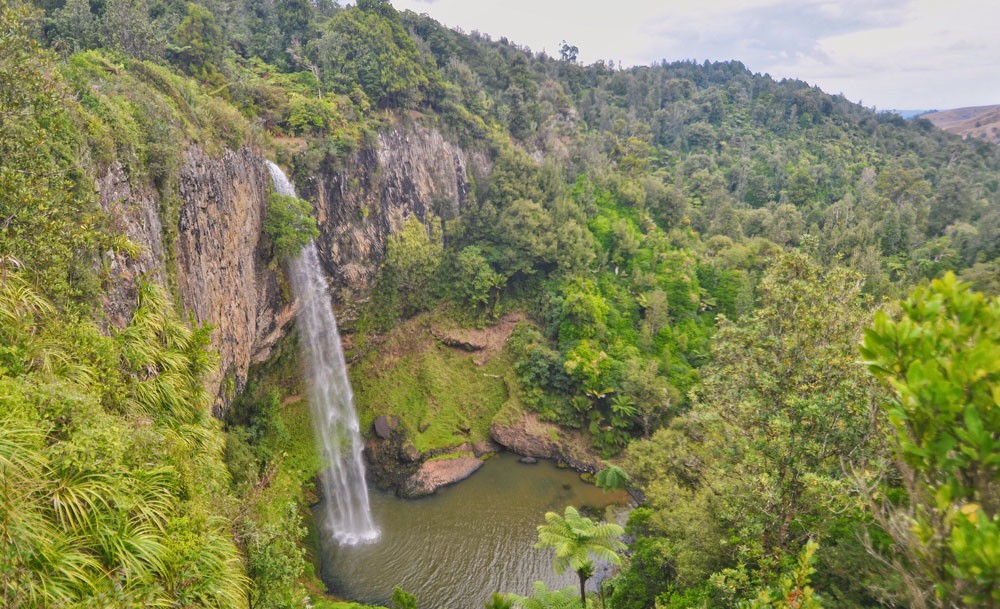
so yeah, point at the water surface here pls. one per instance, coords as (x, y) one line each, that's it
(455, 548)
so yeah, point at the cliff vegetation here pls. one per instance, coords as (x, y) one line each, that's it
(683, 259)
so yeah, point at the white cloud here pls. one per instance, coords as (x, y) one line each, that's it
(889, 53)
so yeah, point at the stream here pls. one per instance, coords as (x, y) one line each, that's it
(455, 548)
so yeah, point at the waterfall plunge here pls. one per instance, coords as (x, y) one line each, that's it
(330, 397)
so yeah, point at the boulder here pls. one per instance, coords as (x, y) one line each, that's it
(409, 453)
(436, 473)
(528, 460)
(384, 426)
(485, 447)
(529, 436)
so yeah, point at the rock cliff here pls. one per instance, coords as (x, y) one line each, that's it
(220, 256)
(222, 268)
(133, 212)
(411, 170)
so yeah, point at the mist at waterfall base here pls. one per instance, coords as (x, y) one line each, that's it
(347, 515)
(453, 549)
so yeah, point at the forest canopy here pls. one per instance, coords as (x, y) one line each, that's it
(698, 252)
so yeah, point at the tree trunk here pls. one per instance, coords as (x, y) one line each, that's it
(583, 589)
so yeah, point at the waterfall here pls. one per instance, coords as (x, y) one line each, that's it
(330, 397)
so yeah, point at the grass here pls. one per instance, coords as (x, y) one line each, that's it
(301, 455)
(458, 454)
(441, 397)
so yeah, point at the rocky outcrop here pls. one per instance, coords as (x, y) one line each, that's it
(411, 170)
(384, 426)
(222, 264)
(389, 461)
(435, 473)
(133, 212)
(220, 271)
(220, 260)
(531, 437)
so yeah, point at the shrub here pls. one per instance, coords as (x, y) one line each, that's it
(288, 225)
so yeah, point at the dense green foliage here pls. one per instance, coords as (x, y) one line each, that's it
(114, 492)
(288, 225)
(941, 356)
(757, 466)
(47, 227)
(697, 249)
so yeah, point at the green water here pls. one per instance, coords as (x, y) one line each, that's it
(455, 548)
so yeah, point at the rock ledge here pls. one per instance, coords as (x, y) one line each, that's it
(435, 473)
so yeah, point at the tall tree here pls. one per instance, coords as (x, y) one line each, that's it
(784, 385)
(756, 468)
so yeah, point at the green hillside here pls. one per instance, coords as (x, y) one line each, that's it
(698, 252)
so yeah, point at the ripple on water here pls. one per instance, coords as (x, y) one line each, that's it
(458, 546)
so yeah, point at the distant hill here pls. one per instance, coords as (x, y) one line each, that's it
(981, 122)
(909, 113)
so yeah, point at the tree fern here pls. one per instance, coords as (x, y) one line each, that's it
(543, 598)
(575, 539)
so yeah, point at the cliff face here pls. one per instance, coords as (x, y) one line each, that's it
(221, 255)
(222, 262)
(134, 211)
(411, 171)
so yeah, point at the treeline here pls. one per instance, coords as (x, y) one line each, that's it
(700, 249)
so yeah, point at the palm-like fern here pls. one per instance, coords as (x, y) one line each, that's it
(543, 598)
(501, 601)
(576, 539)
(110, 463)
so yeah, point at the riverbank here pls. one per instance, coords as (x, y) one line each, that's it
(459, 545)
(436, 400)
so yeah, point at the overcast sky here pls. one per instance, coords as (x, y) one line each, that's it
(901, 54)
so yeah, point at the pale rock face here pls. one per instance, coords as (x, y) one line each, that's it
(411, 171)
(221, 256)
(222, 262)
(133, 212)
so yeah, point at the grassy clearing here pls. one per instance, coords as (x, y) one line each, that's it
(442, 398)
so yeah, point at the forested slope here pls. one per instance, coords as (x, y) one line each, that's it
(698, 250)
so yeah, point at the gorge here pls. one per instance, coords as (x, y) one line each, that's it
(348, 515)
(656, 274)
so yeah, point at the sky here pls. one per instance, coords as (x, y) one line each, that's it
(889, 54)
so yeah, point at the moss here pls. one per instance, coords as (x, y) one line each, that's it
(442, 398)
(455, 454)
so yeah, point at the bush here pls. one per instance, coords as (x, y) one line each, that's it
(288, 225)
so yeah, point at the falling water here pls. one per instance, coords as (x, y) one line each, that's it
(330, 397)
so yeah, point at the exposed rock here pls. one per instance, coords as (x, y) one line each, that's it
(386, 467)
(222, 265)
(411, 170)
(222, 275)
(485, 447)
(528, 460)
(384, 426)
(487, 341)
(133, 212)
(434, 474)
(409, 453)
(531, 437)
(459, 340)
